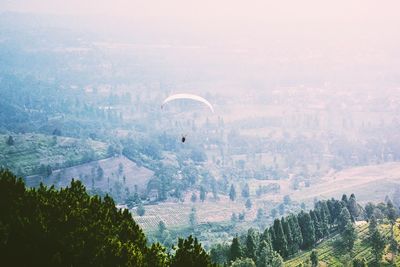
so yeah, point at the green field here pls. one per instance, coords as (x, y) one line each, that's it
(31, 150)
(330, 256)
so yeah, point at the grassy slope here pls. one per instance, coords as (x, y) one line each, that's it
(31, 150)
(329, 256)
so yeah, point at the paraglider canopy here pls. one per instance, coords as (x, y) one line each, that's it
(190, 97)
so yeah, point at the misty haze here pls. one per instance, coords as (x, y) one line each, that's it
(199, 133)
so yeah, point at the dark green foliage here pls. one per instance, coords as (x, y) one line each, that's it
(314, 258)
(219, 253)
(279, 242)
(359, 262)
(232, 193)
(376, 240)
(344, 219)
(352, 206)
(349, 236)
(251, 244)
(291, 246)
(369, 210)
(67, 227)
(190, 254)
(235, 250)
(296, 233)
(10, 141)
(157, 256)
(267, 257)
(307, 229)
(317, 225)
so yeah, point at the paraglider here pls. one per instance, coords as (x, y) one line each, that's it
(183, 96)
(187, 96)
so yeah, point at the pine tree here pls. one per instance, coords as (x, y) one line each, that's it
(296, 232)
(307, 229)
(392, 216)
(376, 240)
(314, 258)
(235, 250)
(232, 193)
(251, 244)
(248, 204)
(266, 257)
(279, 241)
(291, 246)
(369, 210)
(203, 193)
(353, 206)
(317, 226)
(246, 191)
(349, 236)
(190, 253)
(10, 141)
(344, 219)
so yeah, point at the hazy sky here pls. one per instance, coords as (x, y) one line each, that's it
(215, 9)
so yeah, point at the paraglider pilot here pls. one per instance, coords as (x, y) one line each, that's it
(183, 138)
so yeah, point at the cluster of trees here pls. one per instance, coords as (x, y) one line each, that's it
(290, 234)
(68, 227)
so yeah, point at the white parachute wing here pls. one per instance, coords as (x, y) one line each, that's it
(188, 96)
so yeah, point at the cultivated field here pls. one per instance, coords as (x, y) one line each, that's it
(31, 150)
(369, 183)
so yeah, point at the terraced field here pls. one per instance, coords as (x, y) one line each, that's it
(176, 214)
(329, 256)
(31, 150)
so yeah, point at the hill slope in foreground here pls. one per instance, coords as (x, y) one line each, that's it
(330, 255)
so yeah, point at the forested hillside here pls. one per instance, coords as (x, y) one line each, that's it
(67, 227)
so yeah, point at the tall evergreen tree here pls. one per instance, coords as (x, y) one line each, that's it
(314, 258)
(344, 219)
(267, 257)
(251, 244)
(235, 250)
(279, 241)
(376, 240)
(349, 236)
(291, 245)
(232, 193)
(203, 193)
(317, 226)
(296, 232)
(191, 254)
(246, 191)
(392, 216)
(307, 229)
(353, 206)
